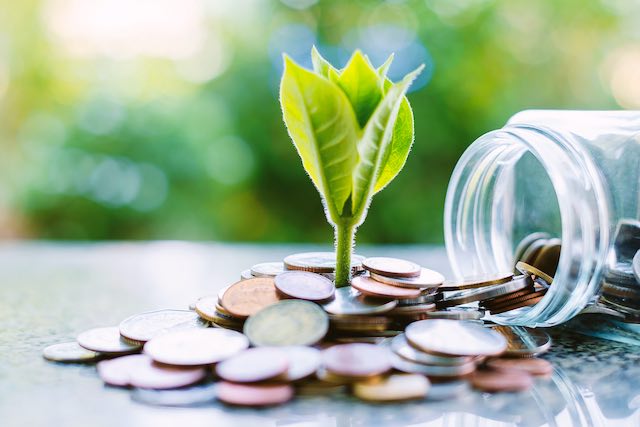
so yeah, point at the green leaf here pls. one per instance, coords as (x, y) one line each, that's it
(324, 130)
(384, 68)
(401, 142)
(375, 143)
(322, 66)
(360, 82)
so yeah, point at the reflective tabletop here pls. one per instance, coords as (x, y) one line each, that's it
(49, 292)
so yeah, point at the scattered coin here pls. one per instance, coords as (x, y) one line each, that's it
(206, 308)
(532, 366)
(247, 297)
(495, 381)
(254, 394)
(246, 274)
(267, 269)
(303, 362)
(488, 292)
(530, 270)
(402, 348)
(195, 347)
(289, 322)
(455, 338)
(426, 279)
(315, 387)
(305, 285)
(424, 298)
(319, 262)
(69, 352)
(253, 365)
(117, 372)
(356, 360)
(106, 340)
(407, 310)
(189, 396)
(398, 387)
(367, 286)
(435, 371)
(350, 301)
(479, 281)
(392, 267)
(522, 341)
(457, 313)
(142, 327)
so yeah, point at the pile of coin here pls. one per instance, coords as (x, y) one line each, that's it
(284, 329)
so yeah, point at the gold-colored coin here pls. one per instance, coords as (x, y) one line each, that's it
(247, 297)
(69, 352)
(398, 387)
(473, 282)
(530, 270)
(549, 256)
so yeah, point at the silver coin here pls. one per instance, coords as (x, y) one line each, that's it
(636, 266)
(524, 342)
(412, 309)
(457, 313)
(142, 327)
(304, 285)
(69, 352)
(455, 338)
(193, 347)
(189, 396)
(267, 269)
(392, 267)
(303, 361)
(106, 340)
(246, 274)
(441, 371)
(422, 299)
(253, 365)
(319, 262)
(488, 292)
(426, 279)
(401, 347)
(347, 300)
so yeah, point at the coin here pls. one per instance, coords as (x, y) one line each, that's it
(187, 396)
(526, 242)
(142, 327)
(69, 352)
(392, 267)
(206, 307)
(367, 286)
(267, 269)
(426, 279)
(398, 387)
(438, 371)
(303, 362)
(106, 340)
(636, 266)
(139, 370)
(455, 338)
(524, 342)
(253, 365)
(530, 270)
(407, 310)
(631, 293)
(246, 274)
(316, 387)
(194, 347)
(289, 322)
(305, 285)
(350, 301)
(402, 348)
(494, 381)
(488, 292)
(457, 313)
(356, 360)
(247, 297)
(525, 303)
(510, 296)
(627, 239)
(479, 281)
(319, 262)
(549, 256)
(532, 251)
(254, 394)
(422, 299)
(514, 301)
(532, 366)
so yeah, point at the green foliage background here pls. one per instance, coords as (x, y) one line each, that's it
(94, 146)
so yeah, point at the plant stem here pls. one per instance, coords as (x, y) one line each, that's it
(345, 234)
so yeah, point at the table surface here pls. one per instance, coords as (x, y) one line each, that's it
(49, 292)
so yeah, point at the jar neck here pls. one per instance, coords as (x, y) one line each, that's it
(481, 205)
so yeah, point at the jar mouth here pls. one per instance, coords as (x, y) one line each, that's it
(481, 207)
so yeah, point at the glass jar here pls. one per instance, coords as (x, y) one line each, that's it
(572, 174)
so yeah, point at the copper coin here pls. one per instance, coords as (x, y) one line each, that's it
(195, 346)
(305, 285)
(525, 268)
(455, 338)
(319, 262)
(531, 366)
(368, 286)
(254, 394)
(357, 360)
(139, 370)
(478, 281)
(495, 381)
(253, 365)
(392, 267)
(249, 296)
(106, 340)
(505, 308)
(514, 301)
(426, 279)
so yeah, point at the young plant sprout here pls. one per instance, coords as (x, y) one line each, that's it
(353, 129)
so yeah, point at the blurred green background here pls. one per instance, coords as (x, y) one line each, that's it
(159, 119)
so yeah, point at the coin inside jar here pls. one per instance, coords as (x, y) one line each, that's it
(392, 267)
(356, 360)
(305, 285)
(142, 327)
(253, 365)
(426, 279)
(348, 301)
(289, 322)
(398, 387)
(319, 262)
(455, 338)
(368, 286)
(106, 340)
(488, 292)
(69, 352)
(530, 270)
(254, 394)
(247, 297)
